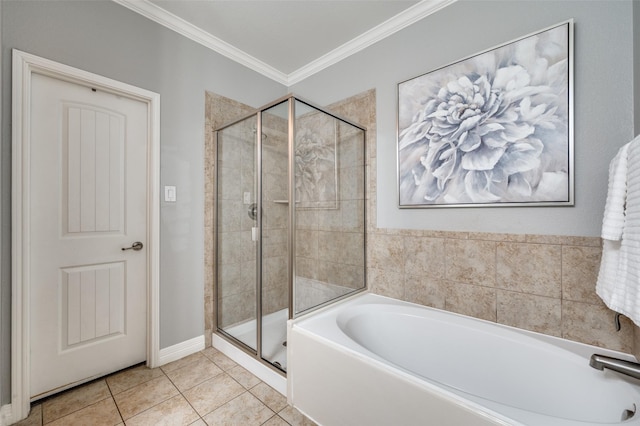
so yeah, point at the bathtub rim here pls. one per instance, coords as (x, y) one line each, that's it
(379, 363)
(562, 342)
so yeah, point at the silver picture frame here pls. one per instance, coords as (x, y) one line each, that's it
(493, 129)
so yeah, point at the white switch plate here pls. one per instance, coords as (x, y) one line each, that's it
(247, 198)
(170, 194)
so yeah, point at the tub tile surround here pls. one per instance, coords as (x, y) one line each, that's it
(547, 287)
(543, 283)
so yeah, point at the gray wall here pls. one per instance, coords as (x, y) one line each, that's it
(603, 102)
(108, 39)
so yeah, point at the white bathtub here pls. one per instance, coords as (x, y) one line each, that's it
(372, 360)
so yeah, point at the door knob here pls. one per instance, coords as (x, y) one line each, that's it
(137, 246)
(253, 211)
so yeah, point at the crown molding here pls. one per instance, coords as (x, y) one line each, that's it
(179, 25)
(400, 21)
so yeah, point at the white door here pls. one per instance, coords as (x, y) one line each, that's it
(88, 201)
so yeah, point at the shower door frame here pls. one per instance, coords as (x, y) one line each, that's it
(291, 267)
(258, 278)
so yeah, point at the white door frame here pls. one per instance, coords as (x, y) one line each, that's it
(24, 66)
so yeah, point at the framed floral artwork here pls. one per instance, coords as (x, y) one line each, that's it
(494, 129)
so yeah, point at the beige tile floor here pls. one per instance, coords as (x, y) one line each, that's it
(206, 388)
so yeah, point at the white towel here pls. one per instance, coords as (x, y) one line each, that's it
(617, 193)
(619, 277)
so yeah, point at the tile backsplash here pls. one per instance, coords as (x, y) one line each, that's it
(540, 283)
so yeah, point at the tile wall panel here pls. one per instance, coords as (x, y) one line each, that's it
(540, 283)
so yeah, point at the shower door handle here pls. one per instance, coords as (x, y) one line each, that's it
(253, 211)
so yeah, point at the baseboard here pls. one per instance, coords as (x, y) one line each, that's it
(6, 415)
(180, 350)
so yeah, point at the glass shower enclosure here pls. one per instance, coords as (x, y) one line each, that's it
(290, 221)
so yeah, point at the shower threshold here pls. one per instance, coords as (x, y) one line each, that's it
(274, 334)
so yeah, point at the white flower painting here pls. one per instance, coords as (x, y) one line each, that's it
(491, 129)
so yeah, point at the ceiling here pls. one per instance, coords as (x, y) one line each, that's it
(286, 40)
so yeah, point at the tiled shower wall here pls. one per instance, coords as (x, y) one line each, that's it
(535, 282)
(329, 240)
(236, 253)
(275, 166)
(329, 222)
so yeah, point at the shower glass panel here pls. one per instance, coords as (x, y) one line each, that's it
(290, 224)
(329, 210)
(237, 226)
(275, 233)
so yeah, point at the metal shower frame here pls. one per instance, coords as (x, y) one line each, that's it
(291, 270)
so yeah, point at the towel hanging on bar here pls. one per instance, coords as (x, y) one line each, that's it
(619, 276)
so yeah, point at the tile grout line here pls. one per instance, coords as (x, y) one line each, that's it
(246, 390)
(184, 397)
(167, 399)
(54, 396)
(232, 378)
(222, 371)
(113, 398)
